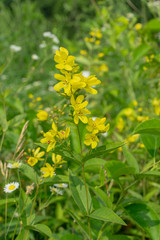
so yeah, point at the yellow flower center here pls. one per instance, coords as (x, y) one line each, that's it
(11, 187)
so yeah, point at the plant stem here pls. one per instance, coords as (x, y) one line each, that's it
(2, 139)
(34, 200)
(84, 179)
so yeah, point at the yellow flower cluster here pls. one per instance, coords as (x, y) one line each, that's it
(48, 170)
(71, 82)
(95, 36)
(42, 115)
(37, 156)
(156, 103)
(35, 101)
(51, 135)
(94, 127)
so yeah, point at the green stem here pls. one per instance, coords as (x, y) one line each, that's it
(2, 139)
(6, 217)
(84, 179)
(102, 230)
(34, 200)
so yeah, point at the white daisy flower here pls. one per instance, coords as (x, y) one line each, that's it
(42, 45)
(47, 34)
(14, 165)
(35, 57)
(56, 190)
(55, 48)
(15, 48)
(51, 89)
(55, 38)
(52, 36)
(61, 185)
(10, 187)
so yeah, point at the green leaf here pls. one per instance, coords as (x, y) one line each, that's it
(79, 193)
(153, 25)
(22, 234)
(103, 150)
(152, 143)
(146, 218)
(103, 197)
(41, 228)
(132, 162)
(154, 173)
(29, 172)
(119, 237)
(3, 120)
(83, 226)
(71, 237)
(140, 51)
(83, 60)
(107, 215)
(55, 179)
(51, 201)
(94, 164)
(10, 201)
(74, 136)
(151, 126)
(116, 169)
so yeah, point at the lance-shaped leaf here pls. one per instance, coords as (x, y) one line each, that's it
(107, 215)
(146, 218)
(79, 193)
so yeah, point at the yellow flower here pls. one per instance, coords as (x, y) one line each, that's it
(64, 61)
(69, 83)
(32, 161)
(147, 59)
(103, 68)
(83, 52)
(90, 39)
(49, 137)
(133, 138)
(157, 110)
(42, 115)
(91, 139)
(92, 33)
(138, 26)
(38, 99)
(129, 112)
(101, 54)
(97, 42)
(79, 109)
(37, 156)
(57, 159)
(30, 96)
(135, 103)
(90, 82)
(97, 125)
(98, 34)
(86, 39)
(48, 171)
(156, 103)
(144, 68)
(120, 124)
(142, 118)
(63, 134)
